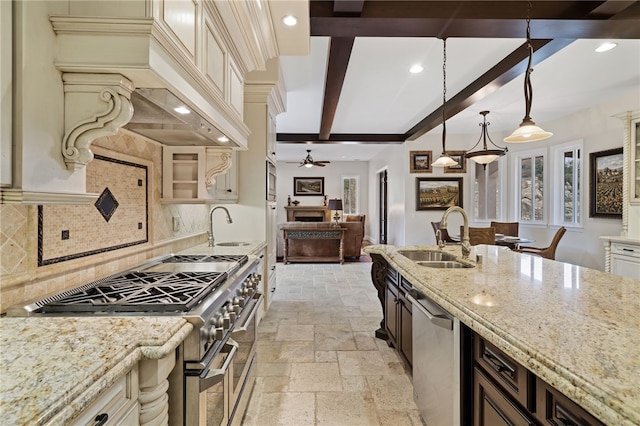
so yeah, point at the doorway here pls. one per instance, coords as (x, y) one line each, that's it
(382, 207)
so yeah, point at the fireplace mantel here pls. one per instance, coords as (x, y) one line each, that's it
(308, 213)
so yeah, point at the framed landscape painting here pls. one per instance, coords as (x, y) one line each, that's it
(308, 186)
(605, 183)
(438, 193)
(420, 161)
(461, 167)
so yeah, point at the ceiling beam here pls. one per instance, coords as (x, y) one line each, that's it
(511, 67)
(473, 28)
(339, 54)
(364, 138)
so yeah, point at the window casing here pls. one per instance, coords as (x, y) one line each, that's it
(567, 197)
(350, 197)
(529, 187)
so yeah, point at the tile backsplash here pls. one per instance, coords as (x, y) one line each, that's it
(77, 244)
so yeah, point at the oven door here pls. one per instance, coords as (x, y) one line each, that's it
(246, 335)
(207, 393)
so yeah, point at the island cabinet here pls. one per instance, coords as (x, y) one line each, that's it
(398, 316)
(506, 393)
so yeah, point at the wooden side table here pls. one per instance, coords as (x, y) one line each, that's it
(333, 233)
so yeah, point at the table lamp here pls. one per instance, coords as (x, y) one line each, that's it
(335, 204)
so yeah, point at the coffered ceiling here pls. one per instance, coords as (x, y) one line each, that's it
(355, 85)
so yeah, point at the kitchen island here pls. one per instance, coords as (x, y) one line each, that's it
(52, 368)
(573, 327)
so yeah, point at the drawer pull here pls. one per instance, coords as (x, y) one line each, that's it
(498, 364)
(101, 419)
(627, 249)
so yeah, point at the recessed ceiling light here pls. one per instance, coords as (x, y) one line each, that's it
(290, 20)
(415, 69)
(605, 47)
(223, 139)
(182, 110)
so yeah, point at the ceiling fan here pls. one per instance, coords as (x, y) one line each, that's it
(308, 161)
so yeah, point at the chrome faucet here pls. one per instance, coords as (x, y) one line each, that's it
(229, 220)
(466, 247)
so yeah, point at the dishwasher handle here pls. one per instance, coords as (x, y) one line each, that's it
(441, 319)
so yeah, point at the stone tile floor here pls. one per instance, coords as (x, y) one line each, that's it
(318, 360)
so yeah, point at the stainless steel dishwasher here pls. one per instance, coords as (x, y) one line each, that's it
(436, 361)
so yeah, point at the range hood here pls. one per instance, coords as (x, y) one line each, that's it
(160, 115)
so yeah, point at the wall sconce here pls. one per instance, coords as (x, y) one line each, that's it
(485, 156)
(336, 205)
(528, 131)
(445, 160)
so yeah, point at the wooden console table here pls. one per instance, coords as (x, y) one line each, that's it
(333, 233)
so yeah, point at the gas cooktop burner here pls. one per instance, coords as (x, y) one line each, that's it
(138, 291)
(188, 258)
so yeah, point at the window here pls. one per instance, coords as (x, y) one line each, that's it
(567, 197)
(350, 190)
(529, 186)
(487, 194)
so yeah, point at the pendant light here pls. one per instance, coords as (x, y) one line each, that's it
(485, 156)
(445, 160)
(528, 131)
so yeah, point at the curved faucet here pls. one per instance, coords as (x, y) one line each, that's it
(466, 247)
(229, 220)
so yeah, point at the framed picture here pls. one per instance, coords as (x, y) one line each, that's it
(462, 162)
(308, 186)
(420, 161)
(438, 193)
(605, 183)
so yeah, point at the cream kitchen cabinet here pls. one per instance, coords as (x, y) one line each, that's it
(117, 405)
(198, 174)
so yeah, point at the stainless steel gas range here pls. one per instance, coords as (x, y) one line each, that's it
(218, 294)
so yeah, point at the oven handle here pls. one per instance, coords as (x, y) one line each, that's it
(215, 376)
(251, 313)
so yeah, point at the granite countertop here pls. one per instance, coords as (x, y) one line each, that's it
(576, 328)
(54, 366)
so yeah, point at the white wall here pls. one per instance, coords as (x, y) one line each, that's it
(393, 160)
(596, 126)
(332, 174)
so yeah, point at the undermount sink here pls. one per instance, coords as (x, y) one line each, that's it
(427, 255)
(232, 244)
(444, 264)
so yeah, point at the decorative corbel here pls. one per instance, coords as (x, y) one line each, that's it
(95, 105)
(218, 162)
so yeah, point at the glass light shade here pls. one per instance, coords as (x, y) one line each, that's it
(484, 157)
(309, 165)
(528, 132)
(444, 161)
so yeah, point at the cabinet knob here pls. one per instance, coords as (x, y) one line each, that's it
(228, 190)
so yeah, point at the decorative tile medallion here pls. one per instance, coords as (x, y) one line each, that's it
(107, 204)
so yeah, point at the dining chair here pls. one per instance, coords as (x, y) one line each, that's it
(444, 234)
(480, 235)
(546, 252)
(506, 228)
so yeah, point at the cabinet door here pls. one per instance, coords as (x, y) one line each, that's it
(226, 187)
(271, 137)
(406, 332)
(626, 266)
(493, 408)
(391, 313)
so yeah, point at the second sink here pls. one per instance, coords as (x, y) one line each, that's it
(427, 255)
(444, 264)
(232, 244)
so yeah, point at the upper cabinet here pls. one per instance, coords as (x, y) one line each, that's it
(199, 175)
(83, 63)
